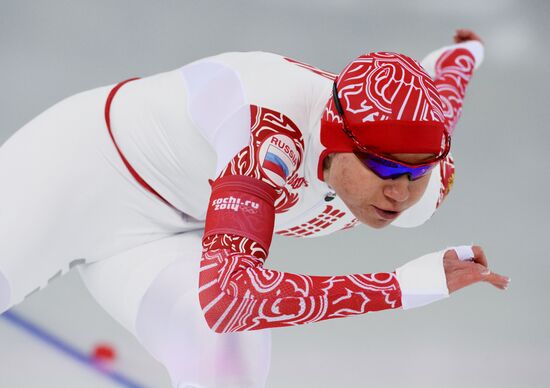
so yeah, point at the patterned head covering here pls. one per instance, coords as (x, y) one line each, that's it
(384, 103)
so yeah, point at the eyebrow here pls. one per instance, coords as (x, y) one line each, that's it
(407, 160)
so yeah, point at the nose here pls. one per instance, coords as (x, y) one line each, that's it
(397, 189)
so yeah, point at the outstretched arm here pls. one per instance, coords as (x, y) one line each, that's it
(452, 68)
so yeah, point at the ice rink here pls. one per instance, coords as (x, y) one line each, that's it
(479, 338)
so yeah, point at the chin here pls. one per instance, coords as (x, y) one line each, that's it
(374, 223)
(379, 224)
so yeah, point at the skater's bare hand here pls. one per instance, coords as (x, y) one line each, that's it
(464, 35)
(461, 274)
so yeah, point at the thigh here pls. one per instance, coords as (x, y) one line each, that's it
(153, 291)
(67, 198)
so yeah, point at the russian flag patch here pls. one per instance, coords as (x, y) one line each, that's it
(278, 158)
(275, 163)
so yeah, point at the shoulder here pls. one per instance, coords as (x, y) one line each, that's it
(275, 150)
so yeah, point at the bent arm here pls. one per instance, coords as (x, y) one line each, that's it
(236, 292)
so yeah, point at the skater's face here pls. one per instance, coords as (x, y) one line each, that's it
(367, 195)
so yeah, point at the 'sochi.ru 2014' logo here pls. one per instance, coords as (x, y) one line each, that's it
(235, 204)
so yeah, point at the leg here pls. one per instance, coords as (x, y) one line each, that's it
(65, 195)
(152, 291)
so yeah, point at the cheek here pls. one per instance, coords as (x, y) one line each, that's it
(348, 180)
(356, 185)
(417, 188)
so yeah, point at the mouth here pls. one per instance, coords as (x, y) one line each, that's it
(387, 215)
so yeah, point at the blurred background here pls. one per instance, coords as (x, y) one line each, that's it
(481, 337)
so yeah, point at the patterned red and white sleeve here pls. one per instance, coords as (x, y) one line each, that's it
(452, 68)
(236, 292)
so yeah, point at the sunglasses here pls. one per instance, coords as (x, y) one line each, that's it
(390, 169)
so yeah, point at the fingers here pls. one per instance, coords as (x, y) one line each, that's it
(495, 279)
(450, 255)
(499, 281)
(461, 274)
(475, 272)
(467, 253)
(479, 256)
(464, 35)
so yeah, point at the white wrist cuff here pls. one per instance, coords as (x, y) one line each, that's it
(422, 281)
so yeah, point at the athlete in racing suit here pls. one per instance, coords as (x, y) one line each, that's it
(173, 184)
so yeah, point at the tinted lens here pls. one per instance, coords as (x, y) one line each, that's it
(388, 169)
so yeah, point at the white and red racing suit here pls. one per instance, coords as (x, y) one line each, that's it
(243, 131)
(203, 163)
